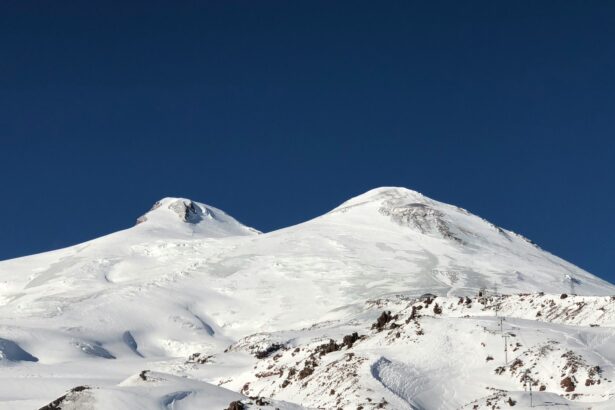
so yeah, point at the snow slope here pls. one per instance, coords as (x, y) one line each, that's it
(441, 353)
(189, 278)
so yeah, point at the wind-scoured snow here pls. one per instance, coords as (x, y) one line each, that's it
(189, 278)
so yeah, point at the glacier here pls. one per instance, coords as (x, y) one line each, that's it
(192, 309)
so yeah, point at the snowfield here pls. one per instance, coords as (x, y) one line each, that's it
(190, 309)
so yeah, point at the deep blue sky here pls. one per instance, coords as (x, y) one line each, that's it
(278, 111)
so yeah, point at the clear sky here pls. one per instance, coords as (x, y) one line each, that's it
(277, 111)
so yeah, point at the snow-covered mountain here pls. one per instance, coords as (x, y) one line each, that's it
(191, 309)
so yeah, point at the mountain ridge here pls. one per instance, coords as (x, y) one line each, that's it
(192, 279)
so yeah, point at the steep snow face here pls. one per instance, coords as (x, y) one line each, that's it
(426, 216)
(445, 249)
(184, 214)
(190, 278)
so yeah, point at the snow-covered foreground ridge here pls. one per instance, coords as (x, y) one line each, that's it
(192, 309)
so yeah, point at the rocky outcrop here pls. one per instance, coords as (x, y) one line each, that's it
(190, 212)
(421, 217)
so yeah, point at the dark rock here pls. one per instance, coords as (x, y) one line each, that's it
(236, 405)
(57, 403)
(567, 384)
(198, 358)
(305, 372)
(262, 354)
(381, 322)
(328, 348)
(350, 339)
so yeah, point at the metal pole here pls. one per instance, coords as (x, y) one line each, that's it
(531, 399)
(506, 349)
(527, 383)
